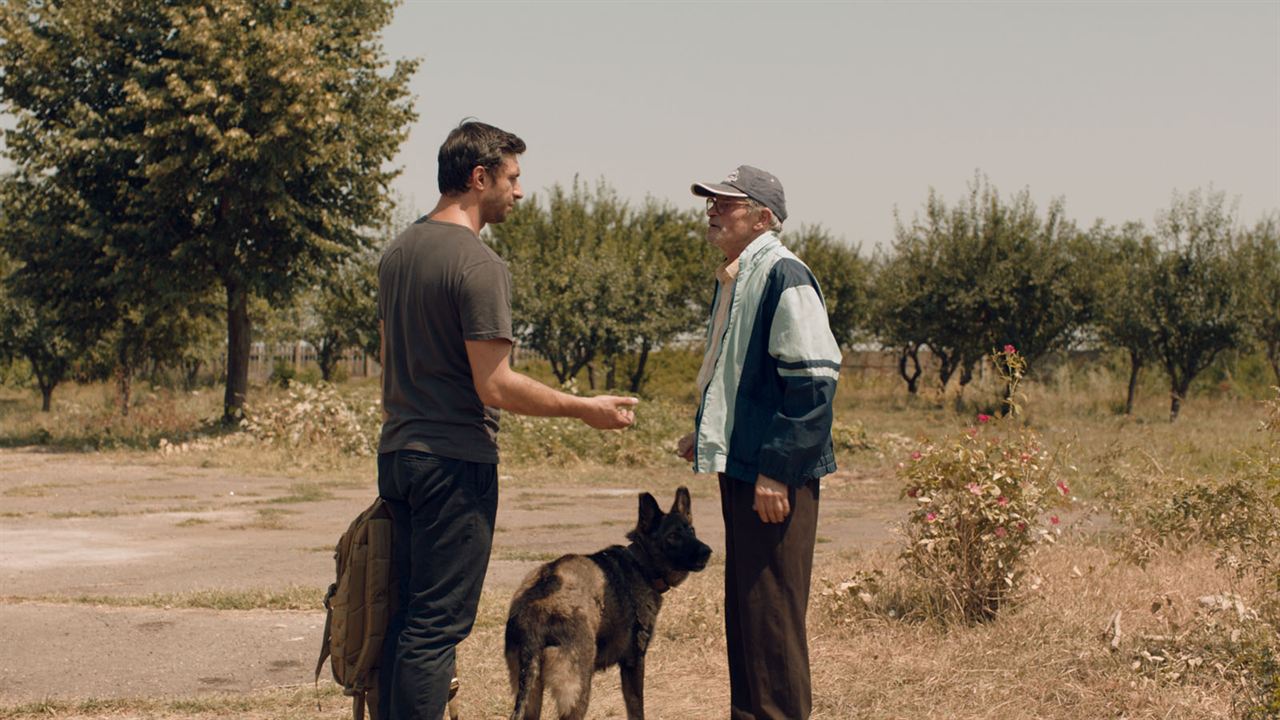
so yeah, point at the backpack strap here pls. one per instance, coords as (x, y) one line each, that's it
(324, 639)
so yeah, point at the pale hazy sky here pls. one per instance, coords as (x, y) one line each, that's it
(861, 107)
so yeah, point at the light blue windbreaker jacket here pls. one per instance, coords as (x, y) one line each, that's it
(767, 408)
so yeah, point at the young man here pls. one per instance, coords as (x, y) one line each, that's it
(444, 307)
(764, 424)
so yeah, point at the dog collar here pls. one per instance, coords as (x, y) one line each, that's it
(657, 582)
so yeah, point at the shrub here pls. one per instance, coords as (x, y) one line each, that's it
(317, 416)
(651, 441)
(979, 500)
(282, 373)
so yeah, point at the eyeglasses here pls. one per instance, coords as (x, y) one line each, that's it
(723, 204)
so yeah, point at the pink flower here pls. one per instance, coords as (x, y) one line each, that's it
(984, 418)
(1009, 349)
(1002, 500)
(1001, 532)
(1022, 527)
(974, 488)
(930, 517)
(916, 455)
(1024, 457)
(1053, 519)
(972, 432)
(912, 492)
(1062, 488)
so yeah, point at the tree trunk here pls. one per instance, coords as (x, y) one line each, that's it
(946, 369)
(238, 329)
(124, 376)
(912, 353)
(45, 381)
(191, 372)
(1175, 400)
(1135, 366)
(327, 357)
(1273, 357)
(637, 377)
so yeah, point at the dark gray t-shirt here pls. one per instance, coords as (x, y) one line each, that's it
(439, 285)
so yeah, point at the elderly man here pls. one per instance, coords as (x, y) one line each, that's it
(764, 424)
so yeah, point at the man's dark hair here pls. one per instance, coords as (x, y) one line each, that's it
(470, 144)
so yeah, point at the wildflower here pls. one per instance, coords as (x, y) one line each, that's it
(1024, 457)
(1022, 527)
(1053, 519)
(984, 418)
(1062, 488)
(1009, 349)
(916, 455)
(1001, 532)
(930, 517)
(972, 432)
(1002, 500)
(974, 488)
(912, 492)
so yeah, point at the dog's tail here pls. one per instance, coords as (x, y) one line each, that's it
(524, 662)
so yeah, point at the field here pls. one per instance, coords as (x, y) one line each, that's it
(155, 567)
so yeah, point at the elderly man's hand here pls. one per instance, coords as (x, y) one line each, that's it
(684, 447)
(771, 504)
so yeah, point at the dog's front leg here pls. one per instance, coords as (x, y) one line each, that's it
(632, 671)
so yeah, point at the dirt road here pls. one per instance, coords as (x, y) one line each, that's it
(84, 535)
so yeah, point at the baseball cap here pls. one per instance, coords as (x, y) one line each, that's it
(748, 182)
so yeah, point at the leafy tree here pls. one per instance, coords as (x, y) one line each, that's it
(842, 274)
(33, 333)
(1128, 257)
(983, 274)
(1260, 257)
(596, 280)
(900, 306)
(666, 269)
(240, 144)
(920, 291)
(1196, 289)
(343, 312)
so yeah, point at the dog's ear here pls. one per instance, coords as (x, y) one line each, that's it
(650, 513)
(682, 503)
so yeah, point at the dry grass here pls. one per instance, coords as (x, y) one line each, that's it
(1049, 659)
(1050, 656)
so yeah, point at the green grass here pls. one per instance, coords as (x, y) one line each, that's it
(267, 519)
(303, 493)
(325, 702)
(289, 598)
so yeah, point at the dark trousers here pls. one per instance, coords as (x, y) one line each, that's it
(768, 567)
(444, 513)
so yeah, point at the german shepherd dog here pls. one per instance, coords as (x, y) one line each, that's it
(583, 613)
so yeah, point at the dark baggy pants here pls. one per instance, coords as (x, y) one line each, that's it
(768, 567)
(444, 513)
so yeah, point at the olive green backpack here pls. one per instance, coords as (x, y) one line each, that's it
(360, 602)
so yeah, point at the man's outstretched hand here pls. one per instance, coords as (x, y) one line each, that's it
(609, 412)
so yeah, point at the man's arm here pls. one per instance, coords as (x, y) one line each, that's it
(382, 360)
(808, 360)
(501, 387)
